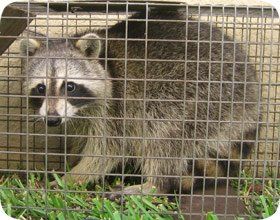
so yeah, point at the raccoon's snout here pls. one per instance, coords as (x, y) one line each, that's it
(52, 121)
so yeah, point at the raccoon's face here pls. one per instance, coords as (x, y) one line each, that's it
(61, 81)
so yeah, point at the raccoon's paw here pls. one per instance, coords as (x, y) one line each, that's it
(69, 180)
(53, 184)
(146, 189)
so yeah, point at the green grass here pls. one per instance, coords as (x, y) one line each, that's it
(260, 197)
(211, 216)
(83, 201)
(35, 202)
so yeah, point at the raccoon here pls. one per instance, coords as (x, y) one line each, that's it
(176, 99)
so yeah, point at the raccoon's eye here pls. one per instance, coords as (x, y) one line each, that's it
(41, 88)
(71, 86)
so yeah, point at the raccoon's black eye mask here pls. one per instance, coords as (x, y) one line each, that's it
(71, 87)
(39, 90)
(76, 94)
(77, 90)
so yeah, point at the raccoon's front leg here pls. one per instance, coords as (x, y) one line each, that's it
(94, 164)
(145, 188)
(155, 171)
(91, 169)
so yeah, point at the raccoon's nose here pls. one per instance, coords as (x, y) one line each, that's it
(52, 121)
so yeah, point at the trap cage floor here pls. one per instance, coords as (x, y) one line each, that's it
(29, 146)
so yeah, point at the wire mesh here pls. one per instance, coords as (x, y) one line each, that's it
(29, 146)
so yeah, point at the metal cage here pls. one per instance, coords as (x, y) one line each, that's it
(28, 146)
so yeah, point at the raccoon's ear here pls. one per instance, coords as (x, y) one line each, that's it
(89, 45)
(30, 46)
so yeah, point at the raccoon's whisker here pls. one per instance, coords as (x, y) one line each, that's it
(30, 121)
(70, 121)
(37, 120)
(33, 120)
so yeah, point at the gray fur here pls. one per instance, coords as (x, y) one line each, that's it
(212, 127)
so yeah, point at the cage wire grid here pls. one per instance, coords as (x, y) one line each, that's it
(28, 146)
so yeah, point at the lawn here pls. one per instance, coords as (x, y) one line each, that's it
(35, 202)
(83, 201)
